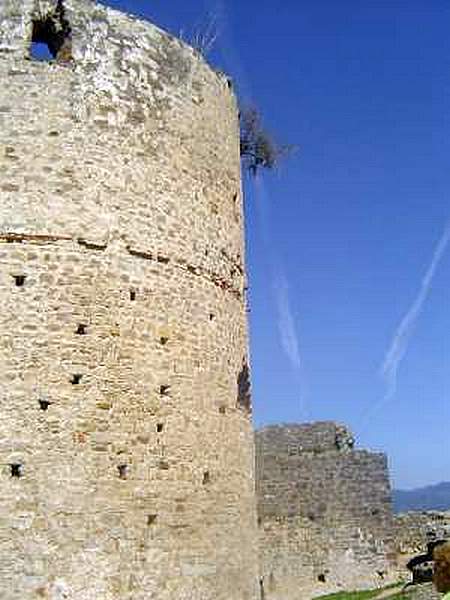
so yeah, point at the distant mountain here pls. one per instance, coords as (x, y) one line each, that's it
(432, 497)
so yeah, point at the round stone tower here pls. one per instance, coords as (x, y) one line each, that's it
(126, 452)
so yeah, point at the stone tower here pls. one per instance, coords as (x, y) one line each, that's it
(126, 449)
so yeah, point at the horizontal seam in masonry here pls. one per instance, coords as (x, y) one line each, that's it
(212, 277)
(30, 238)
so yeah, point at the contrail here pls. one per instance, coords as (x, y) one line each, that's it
(402, 336)
(285, 319)
(286, 323)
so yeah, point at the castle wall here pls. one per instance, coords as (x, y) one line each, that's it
(126, 446)
(324, 512)
(415, 529)
(424, 592)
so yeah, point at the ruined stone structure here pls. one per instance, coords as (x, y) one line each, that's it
(324, 511)
(422, 592)
(126, 446)
(414, 530)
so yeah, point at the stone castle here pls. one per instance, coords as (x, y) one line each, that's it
(126, 446)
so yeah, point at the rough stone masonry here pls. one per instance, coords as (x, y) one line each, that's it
(126, 445)
(415, 530)
(324, 511)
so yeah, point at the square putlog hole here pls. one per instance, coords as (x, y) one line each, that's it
(44, 404)
(19, 280)
(123, 471)
(151, 519)
(16, 470)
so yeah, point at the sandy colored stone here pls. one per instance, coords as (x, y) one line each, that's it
(111, 157)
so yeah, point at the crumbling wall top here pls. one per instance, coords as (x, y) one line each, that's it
(297, 438)
(90, 33)
(133, 93)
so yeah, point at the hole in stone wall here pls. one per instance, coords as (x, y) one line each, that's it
(212, 316)
(76, 378)
(81, 329)
(132, 295)
(244, 400)
(151, 519)
(222, 410)
(206, 478)
(16, 470)
(164, 390)
(159, 427)
(381, 574)
(123, 471)
(322, 578)
(40, 51)
(44, 404)
(51, 37)
(163, 340)
(19, 280)
(262, 593)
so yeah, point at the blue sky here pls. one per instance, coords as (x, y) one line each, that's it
(341, 237)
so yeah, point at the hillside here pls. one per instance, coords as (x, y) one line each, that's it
(432, 497)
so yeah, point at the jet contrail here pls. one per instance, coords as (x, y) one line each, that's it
(401, 338)
(286, 323)
(287, 329)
